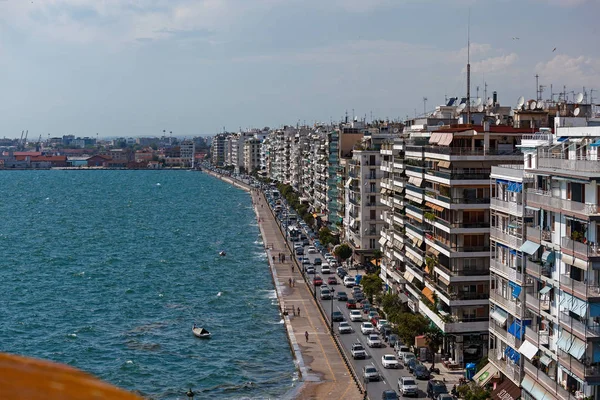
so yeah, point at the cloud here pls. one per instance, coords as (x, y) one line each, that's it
(571, 71)
(494, 64)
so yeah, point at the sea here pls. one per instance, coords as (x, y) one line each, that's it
(107, 271)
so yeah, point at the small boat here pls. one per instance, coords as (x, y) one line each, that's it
(222, 254)
(201, 333)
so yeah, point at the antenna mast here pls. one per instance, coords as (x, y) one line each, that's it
(537, 87)
(469, 69)
(424, 106)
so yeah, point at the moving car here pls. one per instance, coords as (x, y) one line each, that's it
(341, 272)
(317, 281)
(344, 327)
(358, 351)
(355, 315)
(411, 364)
(389, 361)
(349, 281)
(421, 372)
(370, 373)
(337, 316)
(312, 250)
(374, 341)
(325, 268)
(311, 270)
(325, 294)
(389, 395)
(341, 296)
(366, 328)
(317, 261)
(435, 388)
(351, 304)
(408, 387)
(332, 280)
(300, 251)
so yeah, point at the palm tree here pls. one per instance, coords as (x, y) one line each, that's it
(434, 338)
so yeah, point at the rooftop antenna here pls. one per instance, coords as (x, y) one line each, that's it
(485, 90)
(424, 105)
(592, 95)
(469, 68)
(537, 87)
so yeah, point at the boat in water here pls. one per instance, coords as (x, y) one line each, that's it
(222, 254)
(201, 333)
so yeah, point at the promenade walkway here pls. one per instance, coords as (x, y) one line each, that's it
(323, 371)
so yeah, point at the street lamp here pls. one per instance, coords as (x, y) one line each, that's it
(332, 296)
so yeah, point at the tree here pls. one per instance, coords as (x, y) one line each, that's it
(434, 338)
(392, 306)
(325, 236)
(372, 285)
(410, 326)
(377, 255)
(343, 252)
(472, 391)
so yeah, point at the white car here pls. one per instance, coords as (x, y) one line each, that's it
(381, 323)
(355, 315)
(325, 268)
(408, 387)
(312, 250)
(366, 328)
(344, 327)
(349, 281)
(389, 361)
(373, 340)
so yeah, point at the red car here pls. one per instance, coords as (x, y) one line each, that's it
(332, 281)
(317, 281)
(351, 303)
(374, 320)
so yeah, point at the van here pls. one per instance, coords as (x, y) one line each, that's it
(325, 268)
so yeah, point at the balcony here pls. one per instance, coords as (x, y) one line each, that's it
(466, 151)
(577, 367)
(545, 199)
(547, 382)
(509, 305)
(460, 272)
(537, 270)
(582, 289)
(512, 241)
(504, 335)
(547, 159)
(464, 326)
(534, 302)
(509, 272)
(510, 370)
(507, 207)
(574, 325)
(583, 250)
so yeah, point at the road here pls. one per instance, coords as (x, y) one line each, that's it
(389, 376)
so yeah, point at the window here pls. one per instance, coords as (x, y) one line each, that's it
(372, 243)
(373, 214)
(372, 160)
(372, 187)
(372, 200)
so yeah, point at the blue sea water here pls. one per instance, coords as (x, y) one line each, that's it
(107, 271)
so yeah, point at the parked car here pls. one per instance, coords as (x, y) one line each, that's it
(341, 272)
(389, 395)
(374, 320)
(349, 281)
(381, 323)
(344, 327)
(421, 372)
(406, 357)
(370, 373)
(372, 314)
(389, 361)
(408, 387)
(445, 396)
(374, 341)
(317, 281)
(411, 364)
(435, 388)
(341, 296)
(366, 328)
(337, 316)
(351, 304)
(355, 316)
(332, 280)
(392, 339)
(385, 332)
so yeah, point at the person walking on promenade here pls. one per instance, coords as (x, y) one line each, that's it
(298, 311)
(290, 282)
(292, 268)
(306, 335)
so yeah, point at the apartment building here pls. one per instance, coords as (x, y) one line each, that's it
(252, 155)
(187, 151)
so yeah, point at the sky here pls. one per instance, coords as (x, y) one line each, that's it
(138, 67)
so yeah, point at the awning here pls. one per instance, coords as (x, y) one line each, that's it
(575, 304)
(532, 208)
(444, 164)
(529, 247)
(500, 316)
(574, 261)
(516, 329)
(382, 241)
(415, 181)
(516, 289)
(435, 137)
(535, 389)
(348, 182)
(486, 373)
(413, 198)
(562, 139)
(577, 349)
(545, 289)
(506, 391)
(528, 349)
(408, 276)
(446, 139)
(565, 340)
(434, 251)
(545, 360)
(512, 354)
(411, 236)
(428, 293)
(548, 256)
(444, 280)
(596, 143)
(415, 217)
(434, 206)
(514, 187)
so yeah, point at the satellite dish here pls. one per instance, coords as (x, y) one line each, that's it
(526, 106)
(395, 130)
(576, 112)
(461, 107)
(478, 102)
(540, 105)
(579, 98)
(490, 101)
(498, 121)
(545, 105)
(532, 105)
(520, 102)
(480, 108)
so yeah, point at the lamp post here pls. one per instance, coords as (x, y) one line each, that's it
(332, 296)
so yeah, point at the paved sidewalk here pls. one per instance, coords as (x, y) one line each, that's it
(324, 373)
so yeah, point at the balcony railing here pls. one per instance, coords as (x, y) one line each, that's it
(587, 290)
(466, 151)
(533, 302)
(547, 159)
(502, 333)
(586, 329)
(511, 306)
(546, 381)
(545, 198)
(464, 271)
(585, 250)
(507, 206)
(513, 241)
(537, 270)
(580, 369)
(512, 273)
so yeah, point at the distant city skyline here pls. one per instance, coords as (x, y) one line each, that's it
(118, 69)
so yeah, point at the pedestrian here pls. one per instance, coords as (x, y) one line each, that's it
(292, 268)
(306, 335)
(294, 282)
(273, 258)
(298, 311)
(290, 281)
